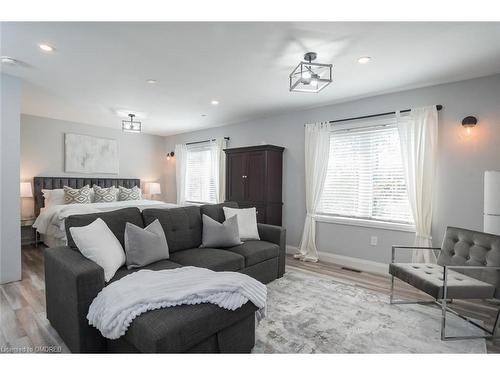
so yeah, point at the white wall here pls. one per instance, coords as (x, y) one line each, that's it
(42, 150)
(461, 165)
(10, 234)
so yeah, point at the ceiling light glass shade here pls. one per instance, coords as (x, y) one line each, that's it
(310, 77)
(131, 126)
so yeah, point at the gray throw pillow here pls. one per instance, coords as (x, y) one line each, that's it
(125, 194)
(145, 246)
(216, 234)
(105, 194)
(72, 196)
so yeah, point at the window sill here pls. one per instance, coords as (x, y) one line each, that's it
(365, 223)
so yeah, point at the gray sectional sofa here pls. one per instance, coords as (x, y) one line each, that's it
(73, 281)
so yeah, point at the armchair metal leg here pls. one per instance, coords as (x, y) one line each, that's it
(443, 319)
(393, 301)
(496, 324)
(490, 333)
(391, 297)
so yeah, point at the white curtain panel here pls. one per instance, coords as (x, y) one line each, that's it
(418, 133)
(180, 172)
(317, 148)
(219, 158)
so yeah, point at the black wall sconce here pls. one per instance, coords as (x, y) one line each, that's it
(469, 122)
(170, 155)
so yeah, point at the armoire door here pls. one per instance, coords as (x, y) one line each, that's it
(236, 167)
(255, 176)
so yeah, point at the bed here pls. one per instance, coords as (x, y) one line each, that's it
(49, 221)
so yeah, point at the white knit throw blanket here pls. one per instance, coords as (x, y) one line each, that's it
(119, 303)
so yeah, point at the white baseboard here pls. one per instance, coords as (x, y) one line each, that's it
(349, 262)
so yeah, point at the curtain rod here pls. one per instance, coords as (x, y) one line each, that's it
(206, 140)
(438, 107)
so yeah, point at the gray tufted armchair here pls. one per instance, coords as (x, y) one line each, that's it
(468, 267)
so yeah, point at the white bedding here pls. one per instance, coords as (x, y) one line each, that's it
(50, 222)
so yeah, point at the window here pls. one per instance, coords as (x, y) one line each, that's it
(201, 169)
(365, 176)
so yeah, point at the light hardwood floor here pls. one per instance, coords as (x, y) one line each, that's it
(24, 327)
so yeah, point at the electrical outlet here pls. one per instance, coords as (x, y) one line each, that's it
(373, 240)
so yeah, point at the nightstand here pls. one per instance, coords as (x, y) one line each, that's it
(29, 235)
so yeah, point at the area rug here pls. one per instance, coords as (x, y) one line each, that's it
(311, 313)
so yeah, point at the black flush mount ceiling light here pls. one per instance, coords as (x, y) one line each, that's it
(309, 76)
(469, 122)
(131, 126)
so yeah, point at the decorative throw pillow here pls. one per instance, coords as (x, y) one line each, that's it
(247, 222)
(98, 243)
(53, 197)
(105, 194)
(81, 195)
(125, 194)
(216, 234)
(145, 246)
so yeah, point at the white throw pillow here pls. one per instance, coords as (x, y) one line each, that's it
(247, 222)
(98, 243)
(53, 197)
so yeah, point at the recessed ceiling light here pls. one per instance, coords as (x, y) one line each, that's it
(214, 102)
(45, 47)
(8, 60)
(203, 115)
(152, 81)
(364, 59)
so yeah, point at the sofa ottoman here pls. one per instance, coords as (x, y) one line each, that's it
(203, 328)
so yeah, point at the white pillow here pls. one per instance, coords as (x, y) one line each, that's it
(98, 243)
(247, 222)
(53, 197)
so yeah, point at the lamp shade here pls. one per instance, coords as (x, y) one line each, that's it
(25, 190)
(154, 188)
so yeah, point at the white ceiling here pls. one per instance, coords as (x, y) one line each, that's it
(100, 67)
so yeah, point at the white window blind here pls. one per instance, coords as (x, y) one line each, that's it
(365, 177)
(201, 170)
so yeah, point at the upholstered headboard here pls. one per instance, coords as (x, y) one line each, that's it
(40, 183)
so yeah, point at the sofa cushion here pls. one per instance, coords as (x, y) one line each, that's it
(214, 259)
(156, 266)
(182, 226)
(428, 277)
(256, 251)
(176, 329)
(215, 211)
(115, 220)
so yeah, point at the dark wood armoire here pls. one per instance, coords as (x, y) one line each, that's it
(254, 178)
